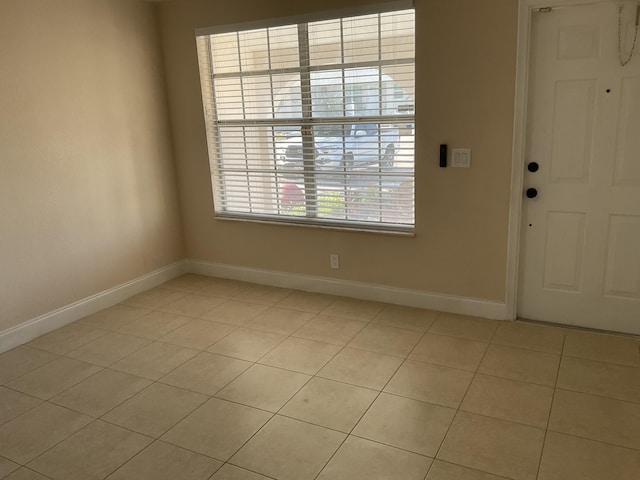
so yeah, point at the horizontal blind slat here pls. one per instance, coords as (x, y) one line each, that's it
(350, 159)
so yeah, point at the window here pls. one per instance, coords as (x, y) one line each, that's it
(313, 122)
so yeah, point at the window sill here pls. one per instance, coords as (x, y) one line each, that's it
(326, 225)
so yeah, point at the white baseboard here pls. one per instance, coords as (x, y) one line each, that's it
(364, 291)
(47, 322)
(35, 327)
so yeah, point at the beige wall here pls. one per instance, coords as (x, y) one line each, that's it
(465, 78)
(466, 52)
(88, 197)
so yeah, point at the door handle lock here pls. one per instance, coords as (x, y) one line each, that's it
(531, 192)
(533, 166)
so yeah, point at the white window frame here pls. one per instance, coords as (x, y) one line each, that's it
(306, 124)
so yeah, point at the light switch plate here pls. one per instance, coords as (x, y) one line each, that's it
(461, 157)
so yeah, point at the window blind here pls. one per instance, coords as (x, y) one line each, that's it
(313, 122)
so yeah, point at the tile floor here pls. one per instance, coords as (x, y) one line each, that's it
(205, 378)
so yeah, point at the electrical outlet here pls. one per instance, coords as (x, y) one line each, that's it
(334, 261)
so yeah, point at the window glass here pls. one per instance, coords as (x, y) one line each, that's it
(313, 123)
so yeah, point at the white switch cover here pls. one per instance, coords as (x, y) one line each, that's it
(461, 157)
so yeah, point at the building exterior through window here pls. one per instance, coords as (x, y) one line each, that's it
(313, 122)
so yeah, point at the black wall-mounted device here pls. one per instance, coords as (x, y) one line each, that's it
(443, 155)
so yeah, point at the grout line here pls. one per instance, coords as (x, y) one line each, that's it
(603, 442)
(395, 447)
(467, 468)
(62, 391)
(83, 321)
(369, 321)
(92, 420)
(154, 439)
(577, 328)
(32, 470)
(361, 349)
(11, 379)
(66, 354)
(588, 394)
(449, 407)
(249, 406)
(148, 387)
(346, 436)
(158, 381)
(366, 322)
(602, 362)
(349, 434)
(95, 419)
(121, 466)
(617, 364)
(24, 412)
(244, 468)
(110, 409)
(497, 419)
(475, 373)
(114, 470)
(354, 385)
(553, 397)
(416, 360)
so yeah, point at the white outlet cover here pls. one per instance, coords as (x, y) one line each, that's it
(461, 157)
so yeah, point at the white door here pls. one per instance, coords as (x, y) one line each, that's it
(580, 262)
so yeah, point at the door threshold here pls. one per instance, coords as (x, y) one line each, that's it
(576, 327)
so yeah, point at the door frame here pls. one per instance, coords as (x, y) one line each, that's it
(525, 14)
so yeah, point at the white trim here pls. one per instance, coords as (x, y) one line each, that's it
(60, 317)
(364, 291)
(517, 162)
(525, 10)
(369, 9)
